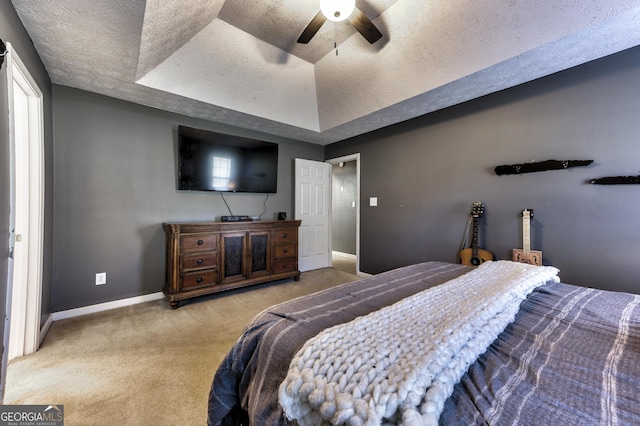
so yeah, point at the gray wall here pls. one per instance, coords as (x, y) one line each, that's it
(343, 212)
(12, 31)
(115, 183)
(428, 171)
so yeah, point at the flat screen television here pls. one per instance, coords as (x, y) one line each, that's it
(210, 161)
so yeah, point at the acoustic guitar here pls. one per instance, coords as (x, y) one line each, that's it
(526, 255)
(474, 255)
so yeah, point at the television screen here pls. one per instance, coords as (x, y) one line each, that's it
(210, 161)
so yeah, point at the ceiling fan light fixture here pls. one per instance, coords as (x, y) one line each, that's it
(337, 10)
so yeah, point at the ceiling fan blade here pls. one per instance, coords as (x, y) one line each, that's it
(365, 27)
(312, 28)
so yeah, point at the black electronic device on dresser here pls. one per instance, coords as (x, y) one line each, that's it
(236, 218)
(210, 257)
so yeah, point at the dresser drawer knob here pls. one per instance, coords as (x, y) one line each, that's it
(284, 265)
(284, 235)
(199, 280)
(285, 251)
(200, 242)
(200, 261)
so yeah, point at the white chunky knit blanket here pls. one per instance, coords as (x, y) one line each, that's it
(399, 364)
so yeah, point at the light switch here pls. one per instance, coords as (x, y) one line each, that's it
(373, 201)
(101, 278)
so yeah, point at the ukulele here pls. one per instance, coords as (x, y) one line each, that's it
(474, 256)
(526, 255)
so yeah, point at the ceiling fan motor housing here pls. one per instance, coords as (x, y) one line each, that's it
(337, 10)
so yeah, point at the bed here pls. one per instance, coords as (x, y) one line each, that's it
(571, 356)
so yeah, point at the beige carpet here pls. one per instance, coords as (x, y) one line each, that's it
(147, 364)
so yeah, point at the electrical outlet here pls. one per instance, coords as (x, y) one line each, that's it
(101, 278)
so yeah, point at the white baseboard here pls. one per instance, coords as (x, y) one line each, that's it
(45, 328)
(85, 310)
(347, 255)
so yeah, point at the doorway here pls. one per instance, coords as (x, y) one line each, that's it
(345, 214)
(312, 197)
(313, 206)
(26, 134)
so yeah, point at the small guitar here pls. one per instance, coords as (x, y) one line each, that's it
(526, 255)
(474, 256)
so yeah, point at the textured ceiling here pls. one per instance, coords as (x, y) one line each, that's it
(237, 61)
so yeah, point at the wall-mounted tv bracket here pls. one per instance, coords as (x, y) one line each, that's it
(539, 166)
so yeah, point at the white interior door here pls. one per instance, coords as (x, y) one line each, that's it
(313, 207)
(26, 139)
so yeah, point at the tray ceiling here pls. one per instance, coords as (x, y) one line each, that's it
(237, 61)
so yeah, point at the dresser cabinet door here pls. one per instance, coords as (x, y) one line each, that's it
(234, 255)
(259, 254)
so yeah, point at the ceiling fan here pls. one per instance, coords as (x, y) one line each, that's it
(339, 10)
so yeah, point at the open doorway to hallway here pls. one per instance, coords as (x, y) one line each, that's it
(344, 263)
(345, 209)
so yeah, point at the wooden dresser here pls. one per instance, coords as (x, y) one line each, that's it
(209, 257)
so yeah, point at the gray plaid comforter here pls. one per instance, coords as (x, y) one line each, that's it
(571, 357)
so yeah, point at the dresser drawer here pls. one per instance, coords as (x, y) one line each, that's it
(285, 250)
(285, 265)
(198, 242)
(199, 279)
(204, 260)
(285, 235)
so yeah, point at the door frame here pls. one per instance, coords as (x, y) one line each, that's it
(24, 298)
(352, 157)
